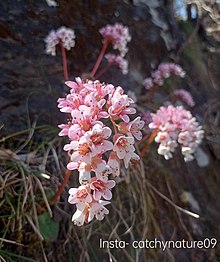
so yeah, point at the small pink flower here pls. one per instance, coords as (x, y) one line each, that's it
(94, 209)
(65, 129)
(184, 96)
(118, 61)
(84, 172)
(64, 35)
(164, 71)
(98, 210)
(51, 41)
(98, 136)
(124, 148)
(158, 77)
(167, 69)
(135, 126)
(83, 120)
(123, 145)
(184, 138)
(118, 35)
(75, 87)
(175, 124)
(101, 169)
(80, 196)
(67, 36)
(79, 217)
(101, 188)
(148, 83)
(162, 137)
(82, 150)
(72, 101)
(120, 106)
(114, 164)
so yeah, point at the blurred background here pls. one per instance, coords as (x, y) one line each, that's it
(32, 162)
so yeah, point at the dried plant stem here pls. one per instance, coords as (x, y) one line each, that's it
(173, 204)
(104, 47)
(65, 70)
(10, 241)
(178, 213)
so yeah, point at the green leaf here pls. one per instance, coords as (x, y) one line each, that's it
(48, 227)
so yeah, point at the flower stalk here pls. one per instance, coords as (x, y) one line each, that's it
(96, 66)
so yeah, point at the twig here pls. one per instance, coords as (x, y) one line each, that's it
(171, 202)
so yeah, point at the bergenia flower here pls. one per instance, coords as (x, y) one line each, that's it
(120, 106)
(80, 196)
(148, 83)
(98, 210)
(66, 36)
(118, 61)
(101, 188)
(51, 41)
(164, 71)
(95, 150)
(184, 96)
(118, 35)
(133, 128)
(114, 164)
(93, 210)
(82, 150)
(98, 136)
(63, 35)
(176, 126)
(124, 148)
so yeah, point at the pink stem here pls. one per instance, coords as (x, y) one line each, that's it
(104, 47)
(65, 70)
(101, 72)
(60, 189)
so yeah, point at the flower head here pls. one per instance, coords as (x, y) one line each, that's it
(101, 188)
(63, 35)
(184, 96)
(93, 149)
(118, 35)
(67, 36)
(51, 41)
(118, 61)
(175, 126)
(164, 71)
(80, 196)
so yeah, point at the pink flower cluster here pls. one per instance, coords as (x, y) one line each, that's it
(175, 126)
(118, 35)
(118, 61)
(165, 70)
(92, 153)
(184, 96)
(63, 35)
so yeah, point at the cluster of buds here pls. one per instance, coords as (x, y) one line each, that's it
(164, 71)
(63, 35)
(174, 126)
(118, 35)
(119, 61)
(184, 96)
(95, 149)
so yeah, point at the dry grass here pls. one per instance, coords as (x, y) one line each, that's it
(146, 204)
